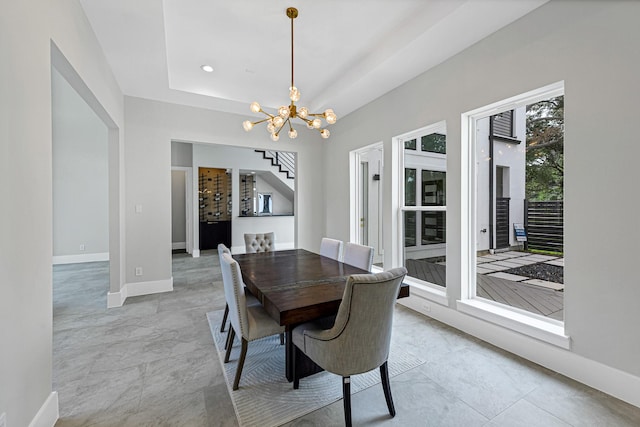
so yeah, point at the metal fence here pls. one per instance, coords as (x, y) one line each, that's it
(544, 225)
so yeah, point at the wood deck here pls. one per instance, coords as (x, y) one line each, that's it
(534, 299)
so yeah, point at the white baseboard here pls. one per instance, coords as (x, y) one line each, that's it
(117, 299)
(614, 382)
(196, 253)
(48, 413)
(78, 258)
(179, 245)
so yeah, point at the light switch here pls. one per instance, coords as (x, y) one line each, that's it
(138, 208)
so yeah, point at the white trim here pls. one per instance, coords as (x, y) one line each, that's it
(614, 382)
(79, 258)
(468, 205)
(48, 413)
(178, 245)
(117, 299)
(196, 253)
(547, 330)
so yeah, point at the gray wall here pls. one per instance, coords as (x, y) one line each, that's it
(150, 128)
(178, 208)
(80, 176)
(26, 33)
(593, 47)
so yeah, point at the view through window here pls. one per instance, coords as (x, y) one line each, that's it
(519, 207)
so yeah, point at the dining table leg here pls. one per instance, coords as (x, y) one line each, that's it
(289, 353)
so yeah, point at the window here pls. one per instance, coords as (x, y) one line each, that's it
(423, 208)
(497, 182)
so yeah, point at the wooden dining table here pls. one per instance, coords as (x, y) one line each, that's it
(297, 286)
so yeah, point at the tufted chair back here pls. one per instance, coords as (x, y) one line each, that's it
(259, 242)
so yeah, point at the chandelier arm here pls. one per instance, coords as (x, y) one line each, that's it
(283, 125)
(261, 121)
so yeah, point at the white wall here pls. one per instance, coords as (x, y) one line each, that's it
(150, 128)
(592, 46)
(26, 32)
(80, 178)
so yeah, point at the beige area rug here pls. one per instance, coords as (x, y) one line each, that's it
(265, 397)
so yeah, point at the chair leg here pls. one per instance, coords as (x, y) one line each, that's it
(281, 339)
(346, 397)
(243, 354)
(224, 317)
(232, 335)
(228, 342)
(386, 386)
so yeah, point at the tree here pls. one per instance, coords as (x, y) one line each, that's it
(545, 150)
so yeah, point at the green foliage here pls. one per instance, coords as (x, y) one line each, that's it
(545, 150)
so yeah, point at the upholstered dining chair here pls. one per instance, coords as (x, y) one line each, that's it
(331, 248)
(259, 242)
(360, 338)
(249, 322)
(358, 255)
(251, 300)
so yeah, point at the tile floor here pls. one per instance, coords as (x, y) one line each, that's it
(152, 363)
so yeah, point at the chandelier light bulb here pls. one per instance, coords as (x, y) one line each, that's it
(303, 112)
(275, 137)
(316, 123)
(325, 133)
(283, 111)
(330, 116)
(278, 121)
(294, 94)
(254, 107)
(293, 133)
(270, 127)
(247, 125)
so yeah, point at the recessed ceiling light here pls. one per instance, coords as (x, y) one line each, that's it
(207, 68)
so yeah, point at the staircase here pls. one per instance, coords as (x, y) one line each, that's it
(285, 162)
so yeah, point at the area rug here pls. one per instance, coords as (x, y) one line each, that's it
(266, 398)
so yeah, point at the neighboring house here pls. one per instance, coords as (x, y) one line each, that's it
(501, 177)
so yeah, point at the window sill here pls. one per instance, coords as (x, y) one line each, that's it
(436, 294)
(541, 328)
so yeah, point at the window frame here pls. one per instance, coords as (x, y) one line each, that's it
(431, 291)
(545, 329)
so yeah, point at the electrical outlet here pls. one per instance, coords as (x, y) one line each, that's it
(82, 249)
(138, 271)
(3, 420)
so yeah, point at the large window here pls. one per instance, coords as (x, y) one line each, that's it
(513, 181)
(424, 204)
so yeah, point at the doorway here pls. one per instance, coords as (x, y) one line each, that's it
(367, 198)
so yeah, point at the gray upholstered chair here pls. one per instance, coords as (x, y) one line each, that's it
(249, 322)
(259, 242)
(331, 248)
(359, 339)
(358, 255)
(251, 300)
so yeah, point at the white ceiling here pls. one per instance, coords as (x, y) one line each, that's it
(347, 52)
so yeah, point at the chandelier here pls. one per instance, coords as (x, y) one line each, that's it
(286, 113)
